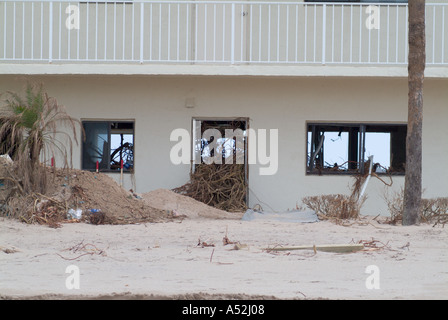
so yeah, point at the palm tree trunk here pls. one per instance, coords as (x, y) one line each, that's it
(416, 69)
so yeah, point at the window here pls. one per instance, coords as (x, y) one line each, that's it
(346, 148)
(108, 143)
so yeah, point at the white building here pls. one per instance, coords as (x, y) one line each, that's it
(141, 69)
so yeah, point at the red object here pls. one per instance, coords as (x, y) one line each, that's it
(121, 164)
(52, 161)
(97, 166)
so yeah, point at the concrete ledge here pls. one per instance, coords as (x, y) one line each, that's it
(215, 70)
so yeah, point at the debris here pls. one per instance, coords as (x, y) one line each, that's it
(406, 246)
(74, 214)
(240, 246)
(373, 245)
(87, 249)
(204, 244)
(338, 206)
(337, 248)
(222, 186)
(97, 217)
(178, 215)
(83, 190)
(226, 241)
(8, 250)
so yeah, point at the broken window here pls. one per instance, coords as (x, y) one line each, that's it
(108, 143)
(346, 148)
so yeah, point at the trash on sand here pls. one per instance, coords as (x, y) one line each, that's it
(74, 214)
(96, 216)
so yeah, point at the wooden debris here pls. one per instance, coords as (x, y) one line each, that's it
(373, 245)
(222, 186)
(204, 244)
(226, 240)
(239, 246)
(336, 248)
(8, 250)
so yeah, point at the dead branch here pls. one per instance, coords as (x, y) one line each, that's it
(88, 249)
(226, 240)
(222, 186)
(204, 244)
(84, 254)
(373, 245)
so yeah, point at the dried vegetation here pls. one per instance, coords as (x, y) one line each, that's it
(338, 206)
(434, 210)
(222, 186)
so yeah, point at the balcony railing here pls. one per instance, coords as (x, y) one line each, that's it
(214, 32)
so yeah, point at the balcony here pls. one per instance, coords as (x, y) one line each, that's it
(214, 33)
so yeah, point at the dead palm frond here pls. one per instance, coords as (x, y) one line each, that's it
(30, 128)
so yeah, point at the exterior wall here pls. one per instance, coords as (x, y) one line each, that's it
(157, 104)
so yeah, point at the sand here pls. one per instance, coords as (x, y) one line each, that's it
(163, 260)
(183, 206)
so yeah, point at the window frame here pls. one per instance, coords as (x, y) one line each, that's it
(362, 129)
(109, 133)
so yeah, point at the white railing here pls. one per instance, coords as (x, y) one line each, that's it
(227, 32)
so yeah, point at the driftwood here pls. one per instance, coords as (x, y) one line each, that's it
(337, 248)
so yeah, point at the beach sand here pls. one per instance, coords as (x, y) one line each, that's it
(163, 260)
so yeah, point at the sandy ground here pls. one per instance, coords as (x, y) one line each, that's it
(163, 260)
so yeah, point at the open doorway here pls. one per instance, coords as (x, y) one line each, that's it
(220, 151)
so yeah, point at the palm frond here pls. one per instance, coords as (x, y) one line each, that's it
(30, 125)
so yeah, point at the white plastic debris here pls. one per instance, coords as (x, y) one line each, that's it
(74, 214)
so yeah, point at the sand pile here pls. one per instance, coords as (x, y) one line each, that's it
(92, 190)
(98, 198)
(181, 205)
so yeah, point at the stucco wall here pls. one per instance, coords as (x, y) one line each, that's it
(157, 104)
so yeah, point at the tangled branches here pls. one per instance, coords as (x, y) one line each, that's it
(222, 186)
